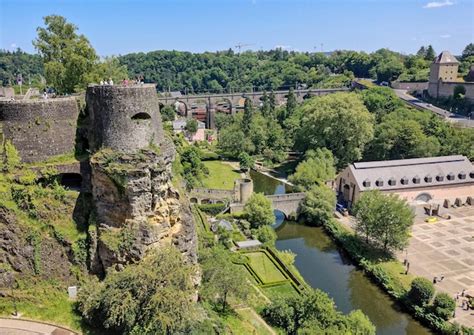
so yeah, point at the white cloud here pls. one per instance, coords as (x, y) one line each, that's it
(438, 4)
(13, 46)
(445, 36)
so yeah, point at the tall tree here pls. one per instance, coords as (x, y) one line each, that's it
(339, 122)
(291, 103)
(259, 210)
(151, 297)
(272, 102)
(318, 205)
(248, 114)
(265, 104)
(468, 51)
(386, 219)
(430, 53)
(221, 278)
(316, 169)
(68, 57)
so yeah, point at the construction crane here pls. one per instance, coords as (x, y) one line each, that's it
(241, 45)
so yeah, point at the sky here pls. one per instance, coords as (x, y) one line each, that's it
(117, 27)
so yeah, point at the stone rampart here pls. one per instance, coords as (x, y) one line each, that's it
(445, 89)
(40, 129)
(123, 118)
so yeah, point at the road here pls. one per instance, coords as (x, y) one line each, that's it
(447, 115)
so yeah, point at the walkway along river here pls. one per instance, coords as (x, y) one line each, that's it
(324, 266)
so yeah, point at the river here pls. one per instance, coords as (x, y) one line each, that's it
(324, 266)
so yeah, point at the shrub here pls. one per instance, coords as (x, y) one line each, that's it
(421, 291)
(27, 178)
(12, 158)
(212, 209)
(265, 234)
(444, 306)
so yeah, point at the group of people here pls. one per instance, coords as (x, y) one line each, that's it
(125, 82)
(464, 302)
(107, 82)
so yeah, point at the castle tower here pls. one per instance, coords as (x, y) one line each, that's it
(444, 68)
(123, 118)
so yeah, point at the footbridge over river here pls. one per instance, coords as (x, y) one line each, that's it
(231, 102)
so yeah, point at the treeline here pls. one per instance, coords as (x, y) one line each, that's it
(369, 125)
(260, 70)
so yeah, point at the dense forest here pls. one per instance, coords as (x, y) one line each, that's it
(274, 69)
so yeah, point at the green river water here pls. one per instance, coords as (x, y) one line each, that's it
(324, 266)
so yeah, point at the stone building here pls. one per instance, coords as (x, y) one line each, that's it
(433, 179)
(444, 77)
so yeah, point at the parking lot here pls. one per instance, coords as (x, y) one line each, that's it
(445, 249)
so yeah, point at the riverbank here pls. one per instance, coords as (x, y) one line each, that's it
(389, 274)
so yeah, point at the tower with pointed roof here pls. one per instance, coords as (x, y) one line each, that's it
(444, 67)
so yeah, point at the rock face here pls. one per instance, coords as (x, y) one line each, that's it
(24, 255)
(136, 206)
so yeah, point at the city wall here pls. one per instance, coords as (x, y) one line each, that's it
(40, 129)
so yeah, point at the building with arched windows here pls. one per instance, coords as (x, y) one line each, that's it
(433, 179)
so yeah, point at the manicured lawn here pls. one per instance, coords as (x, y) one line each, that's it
(221, 175)
(283, 290)
(264, 267)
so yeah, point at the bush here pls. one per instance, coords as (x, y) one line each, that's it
(12, 158)
(421, 291)
(265, 234)
(444, 306)
(27, 178)
(208, 155)
(212, 209)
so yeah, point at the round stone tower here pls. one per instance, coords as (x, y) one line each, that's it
(123, 118)
(245, 189)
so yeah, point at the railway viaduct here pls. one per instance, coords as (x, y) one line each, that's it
(235, 101)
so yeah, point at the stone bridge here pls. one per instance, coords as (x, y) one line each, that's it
(232, 102)
(288, 203)
(211, 196)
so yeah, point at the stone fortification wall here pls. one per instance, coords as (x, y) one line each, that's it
(445, 89)
(123, 118)
(40, 129)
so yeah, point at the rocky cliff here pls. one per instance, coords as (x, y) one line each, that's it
(136, 207)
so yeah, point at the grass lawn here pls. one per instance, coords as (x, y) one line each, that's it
(245, 323)
(283, 290)
(221, 175)
(264, 267)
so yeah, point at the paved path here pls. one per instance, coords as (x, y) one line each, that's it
(459, 119)
(445, 248)
(26, 327)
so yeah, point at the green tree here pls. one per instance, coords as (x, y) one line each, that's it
(468, 51)
(380, 101)
(259, 210)
(232, 141)
(316, 169)
(386, 219)
(193, 168)
(265, 109)
(191, 126)
(430, 53)
(444, 305)
(265, 234)
(221, 279)
(109, 68)
(421, 52)
(167, 113)
(421, 291)
(151, 297)
(339, 122)
(291, 103)
(68, 57)
(357, 323)
(459, 92)
(272, 103)
(246, 161)
(318, 205)
(248, 114)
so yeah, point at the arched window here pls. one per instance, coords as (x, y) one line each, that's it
(366, 183)
(440, 177)
(450, 176)
(428, 179)
(379, 182)
(404, 181)
(392, 181)
(462, 175)
(416, 180)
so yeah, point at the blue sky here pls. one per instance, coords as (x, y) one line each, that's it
(118, 26)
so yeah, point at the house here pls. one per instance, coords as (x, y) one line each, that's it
(418, 180)
(179, 126)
